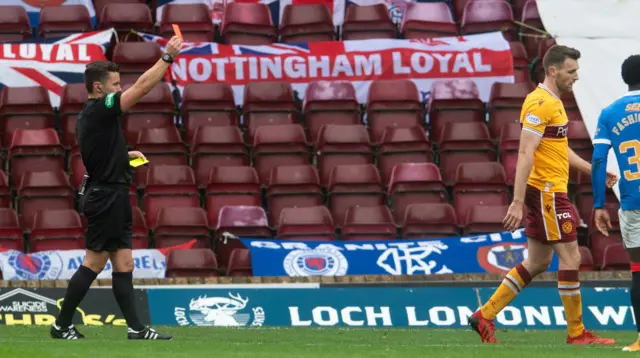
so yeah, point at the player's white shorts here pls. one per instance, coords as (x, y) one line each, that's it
(630, 227)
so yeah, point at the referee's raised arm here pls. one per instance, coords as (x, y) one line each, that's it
(149, 79)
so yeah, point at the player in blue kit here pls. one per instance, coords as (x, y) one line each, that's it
(619, 127)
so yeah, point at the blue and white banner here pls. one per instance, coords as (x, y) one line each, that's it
(440, 307)
(494, 253)
(33, 7)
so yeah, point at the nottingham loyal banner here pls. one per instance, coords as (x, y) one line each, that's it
(51, 63)
(483, 58)
(494, 253)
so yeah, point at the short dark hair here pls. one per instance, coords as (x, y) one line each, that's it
(98, 71)
(631, 70)
(557, 54)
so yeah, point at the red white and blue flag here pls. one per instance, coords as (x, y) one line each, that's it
(52, 63)
(483, 58)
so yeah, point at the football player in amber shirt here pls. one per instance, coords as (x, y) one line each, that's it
(542, 173)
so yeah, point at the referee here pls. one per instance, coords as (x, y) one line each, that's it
(105, 192)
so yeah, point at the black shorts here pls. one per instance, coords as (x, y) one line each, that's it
(108, 212)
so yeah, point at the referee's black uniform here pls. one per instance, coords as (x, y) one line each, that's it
(104, 152)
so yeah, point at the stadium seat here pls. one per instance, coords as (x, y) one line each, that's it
(306, 23)
(5, 190)
(161, 146)
(177, 225)
(43, 191)
(530, 17)
(247, 24)
(191, 263)
(64, 20)
(520, 62)
(194, 21)
(368, 22)
(14, 24)
(240, 263)
(154, 110)
(482, 183)
(217, 147)
(134, 58)
(242, 221)
(583, 195)
(453, 101)
(485, 219)
(312, 223)
(57, 230)
(615, 258)
(26, 108)
(414, 183)
(124, 17)
(168, 186)
(464, 142)
(11, 237)
(368, 223)
(342, 145)
(140, 230)
(100, 4)
(71, 104)
(276, 145)
(488, 16)
(393, 103)
(402, 145)
(429, 220)
(34, 149)
(579, 142)
(295, 186)
(207, 104)
(329, 102)
(353, 185)
(229, 186)
(505, 105)
(267, 103)
(508, 149)
(458, 8)
(538, 69)
(586, 259)
(429, 19)
(599, 242)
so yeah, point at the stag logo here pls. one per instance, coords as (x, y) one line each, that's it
(220, 312)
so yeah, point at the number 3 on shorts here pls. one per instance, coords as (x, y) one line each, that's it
(634, 158)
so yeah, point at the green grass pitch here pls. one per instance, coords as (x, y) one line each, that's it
(192, 342)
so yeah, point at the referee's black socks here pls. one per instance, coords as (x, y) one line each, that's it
(77, 289)
(123, 290)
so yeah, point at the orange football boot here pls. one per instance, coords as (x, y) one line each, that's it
(589, 338)
(635, 347)
(484, 327)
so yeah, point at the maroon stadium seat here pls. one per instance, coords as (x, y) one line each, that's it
(368, 22)
(194, 21)
(393, 103)
(308, 223)
(295, 186)
(207, 104)
(65, 20)
(177, 225)
(487, 16)
(57, 230)
(34, 149)
(508, 149)
(430, 220)
(342, 145)
(505, 105)
(191, 263)
(306, 23)
(485, 219)
(43, 191)
(520, 62)
(5, 190)
(10, 232)
(531, 17)
(247, 24)
(168, 186)
(453, 101)
(217, 147)
(353, 185)
(228, 186)
(327, 102)
(482, 183)
(615, 257)
(26, 108)
(14, 24)
(415, 183)
(429, 19)
(243, 221)
(599, 242)
(161, 146)
(124, 17)
(368, 223)
(402, 145)
(100, 4)
(586, 259)
(71, 104)
(268, 103)
(458, 8)
(134, 58)
(140, 231)
(276, 145)
(240, 263)
(580, 143)
(154, 110)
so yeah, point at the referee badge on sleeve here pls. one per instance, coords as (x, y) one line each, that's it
(533, 119)
(109, 101)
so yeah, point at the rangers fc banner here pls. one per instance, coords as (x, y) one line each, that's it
(53, 62)
(62, 264)
(483, 58)
(494, 253)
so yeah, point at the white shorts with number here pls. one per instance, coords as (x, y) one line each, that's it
(630, 227)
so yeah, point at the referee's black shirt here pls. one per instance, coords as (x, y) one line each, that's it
(101, 141)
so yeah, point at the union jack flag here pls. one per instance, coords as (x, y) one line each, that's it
(52, 63)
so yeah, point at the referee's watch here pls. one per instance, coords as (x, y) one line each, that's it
(167, 58)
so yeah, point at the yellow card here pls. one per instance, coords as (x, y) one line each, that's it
(138, 162)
